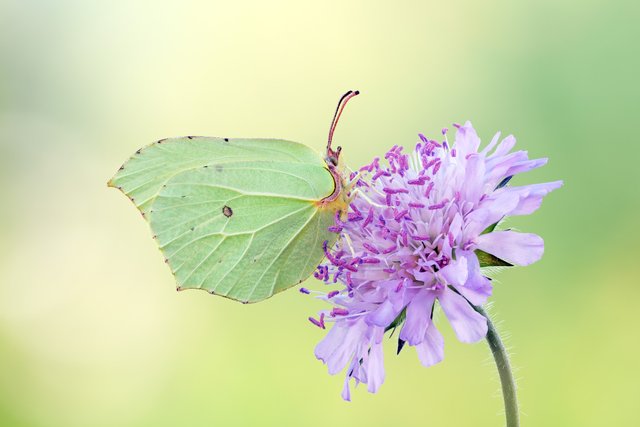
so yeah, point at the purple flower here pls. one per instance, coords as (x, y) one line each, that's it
(418, 231)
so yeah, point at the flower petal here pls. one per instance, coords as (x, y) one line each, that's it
(456, 272)
(384, 314)
(469, 325)
(491, 210)
(431, 349)
(418, 317)
(346, 390)
(467, 140)
(526, 166)
(530, 196)
(504, 147)
(492, 144)
(339, 345)
(375, 368)
(516, 248)
(477, 288)
(474, 178)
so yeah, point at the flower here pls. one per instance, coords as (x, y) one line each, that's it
(417, 232)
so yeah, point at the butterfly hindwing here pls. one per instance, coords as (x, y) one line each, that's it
(236, 217)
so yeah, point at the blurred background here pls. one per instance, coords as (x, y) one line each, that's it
(92, 332)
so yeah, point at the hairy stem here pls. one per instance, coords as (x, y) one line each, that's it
(504, 369)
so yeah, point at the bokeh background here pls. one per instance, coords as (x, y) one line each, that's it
(92, 332)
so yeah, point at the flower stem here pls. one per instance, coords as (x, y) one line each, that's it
(504, 370)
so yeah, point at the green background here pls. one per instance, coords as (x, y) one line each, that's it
(92, 332)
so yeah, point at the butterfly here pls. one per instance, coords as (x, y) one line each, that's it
(240, 218)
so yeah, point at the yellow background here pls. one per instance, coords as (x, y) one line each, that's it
(92, 332)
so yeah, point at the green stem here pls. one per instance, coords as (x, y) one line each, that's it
(504, 369)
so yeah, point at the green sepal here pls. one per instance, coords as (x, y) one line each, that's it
(488, 260)
(401, 344)
(397, 321)
(490, 228)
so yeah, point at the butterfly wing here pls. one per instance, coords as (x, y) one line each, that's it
(239, 218)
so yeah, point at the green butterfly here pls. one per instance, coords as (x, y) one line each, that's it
(240, 218)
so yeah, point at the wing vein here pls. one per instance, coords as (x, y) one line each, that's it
(279, 253)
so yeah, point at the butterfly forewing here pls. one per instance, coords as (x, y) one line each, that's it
(239, 217)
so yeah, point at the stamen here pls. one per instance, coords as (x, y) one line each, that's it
(371, 248)
(398, 216)
(329, 255)
(379, 174)
(390, 249)
(439, 205)
(332, 294)
(421, 237)
(419, 181)
(436, 168)
(390, 190)
(429, 188)
(349, 281)
(369, 218)
(405, 237)
(350, 266)
(337, 311)
(399, 286)
(318, 323)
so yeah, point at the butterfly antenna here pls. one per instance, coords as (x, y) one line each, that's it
(333, 155)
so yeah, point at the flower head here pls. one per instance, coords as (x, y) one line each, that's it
(418, 231)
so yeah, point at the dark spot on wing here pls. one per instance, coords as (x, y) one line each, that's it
(189, 137)
(227, 211)
(226, 140)
(138, 151)
(205, 166)
(160, 141)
